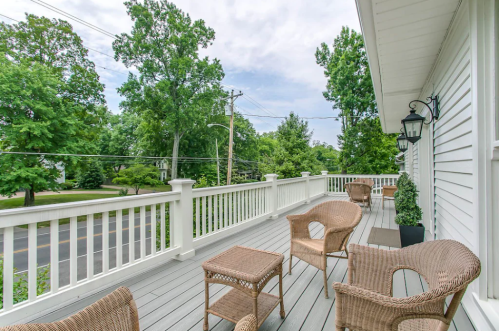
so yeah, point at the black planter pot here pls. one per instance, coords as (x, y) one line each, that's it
(410, 235)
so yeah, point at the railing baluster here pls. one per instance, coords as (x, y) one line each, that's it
(226, 210)
(210, 215)
(231, 210)
(8, 268)
(105, 242)
(220, 212)
(54, 256)
(119, 238)
(90, 246)
(171, 215)
(239, 215)
(197, 218)
(32, 259)
(153, 222)
(131, 236)
(204, 215)
(73, 250)
(215, 208)
(142, 232)
(163, 225)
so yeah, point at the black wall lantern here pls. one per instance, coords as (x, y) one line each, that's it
(413, 123)
(402, 142)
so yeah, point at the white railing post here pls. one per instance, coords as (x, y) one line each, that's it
(274, 203)
(183, 218)
(326, 184)
(306, 175)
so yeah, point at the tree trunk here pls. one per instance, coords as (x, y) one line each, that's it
(137, 190)
(176, 142)
(29, 197)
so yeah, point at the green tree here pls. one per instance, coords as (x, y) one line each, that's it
(350, 89)
(327, 155)
(293, 153)
(91, 176)
(54, 43)
(137, 176)
(175, 88)
(118, 137)
(34, 119)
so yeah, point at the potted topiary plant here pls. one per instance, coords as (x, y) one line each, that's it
(402, 180)
(411, 230)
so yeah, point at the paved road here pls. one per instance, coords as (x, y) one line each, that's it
(43, 244)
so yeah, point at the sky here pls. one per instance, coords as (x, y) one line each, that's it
(266, 48)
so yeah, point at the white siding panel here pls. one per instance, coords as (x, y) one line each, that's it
(452, 143)
(415, 162)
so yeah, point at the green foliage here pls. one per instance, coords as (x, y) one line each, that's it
(175, 89)
(291, 152)
(20, 286)
(409, 213)
(92, 177)
(123, 192)
(51, 102)
(365, 149)
(67, 186)
(327, 155)
(137, 176)
(203, 182)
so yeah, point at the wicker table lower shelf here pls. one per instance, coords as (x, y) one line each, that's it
(234, 305)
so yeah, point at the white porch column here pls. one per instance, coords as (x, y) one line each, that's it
(326, 186)
(306, 175)
(182, 218)
(273, 194)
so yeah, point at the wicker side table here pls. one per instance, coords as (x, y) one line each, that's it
(247, 270)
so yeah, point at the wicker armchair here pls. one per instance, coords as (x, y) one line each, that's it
(248, 323)
(367, 181)
(115, 312)
(339, 219)
(359, 192)
(366, 302)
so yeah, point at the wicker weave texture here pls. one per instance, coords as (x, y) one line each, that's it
(367, 181)
(366, 302)
(339, 219)
(115, 312)
(247, 324)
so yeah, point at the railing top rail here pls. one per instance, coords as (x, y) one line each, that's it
(317, 177)
(364, 176)
(291, 180)
(199, 192)
(27, 215)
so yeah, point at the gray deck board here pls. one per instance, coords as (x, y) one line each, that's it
(171, 297)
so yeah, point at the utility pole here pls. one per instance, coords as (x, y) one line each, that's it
(231, 135)
(218, 163)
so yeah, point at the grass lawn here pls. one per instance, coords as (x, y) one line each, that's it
(52, 199)
(92, 189)
(161, 188)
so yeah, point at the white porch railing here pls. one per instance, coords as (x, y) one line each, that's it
(88, 245)
(336, 183)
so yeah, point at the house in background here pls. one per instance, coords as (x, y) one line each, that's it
(450, 49)
(164, 167)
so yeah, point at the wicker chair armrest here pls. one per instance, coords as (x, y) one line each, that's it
(334, 238)
(299, 226)
(359, 308)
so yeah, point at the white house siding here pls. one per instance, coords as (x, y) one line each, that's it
(452, 141)
(415, 163)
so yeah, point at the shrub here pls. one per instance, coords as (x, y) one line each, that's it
(138, 176)
(67, 186)
(92, 177)
(406, 203)
(123, 192)
(20, 286)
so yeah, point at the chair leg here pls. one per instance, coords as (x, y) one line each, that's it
(326, 293)
(290, 262)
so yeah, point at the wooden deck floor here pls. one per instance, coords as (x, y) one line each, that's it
(171, 297)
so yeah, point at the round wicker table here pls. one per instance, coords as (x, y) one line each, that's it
(247, 270)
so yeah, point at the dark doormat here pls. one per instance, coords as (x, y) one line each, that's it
(384, 237)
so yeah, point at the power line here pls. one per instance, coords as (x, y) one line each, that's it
(112, 57)
(248, 96)
(74, 18)
(119, 72)
(183, 158)
(9, 18)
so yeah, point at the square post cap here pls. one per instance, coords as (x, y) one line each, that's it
(324, 172)
(305, 174)
(271, 177)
